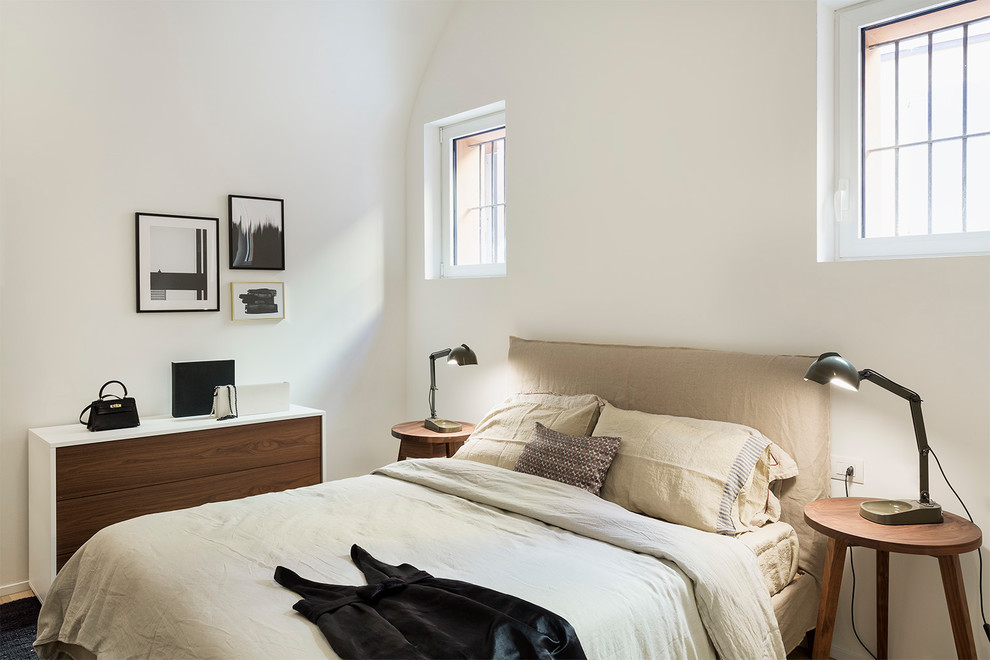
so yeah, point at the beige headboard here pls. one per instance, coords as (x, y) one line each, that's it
(766, 392)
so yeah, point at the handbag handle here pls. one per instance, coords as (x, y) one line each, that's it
(81, 420)
(111, 382)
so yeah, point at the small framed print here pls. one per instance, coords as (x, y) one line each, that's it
(253, 301)
(178, 263)
(257, 233)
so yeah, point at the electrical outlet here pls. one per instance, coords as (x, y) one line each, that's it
(839, 465)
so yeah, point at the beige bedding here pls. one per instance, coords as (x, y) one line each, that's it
(776, 548)
(198, 583)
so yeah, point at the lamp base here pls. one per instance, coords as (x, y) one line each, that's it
(442, 425)
(901, 512)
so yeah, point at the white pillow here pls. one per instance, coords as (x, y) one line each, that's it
(501, 435)
(712, 478)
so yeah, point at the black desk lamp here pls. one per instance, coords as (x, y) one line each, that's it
(459, 355)
(833, 368)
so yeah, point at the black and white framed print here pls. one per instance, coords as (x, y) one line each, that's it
(257, 233)
(178, 263)
(252, 301)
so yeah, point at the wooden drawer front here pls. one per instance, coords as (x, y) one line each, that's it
(106, 467)
(78, 519)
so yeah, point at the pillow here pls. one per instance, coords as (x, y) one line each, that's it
(782, 466)
(580, 461)
(501, 435)
(712, 479)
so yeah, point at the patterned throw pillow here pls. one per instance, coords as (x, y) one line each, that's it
(571, 459)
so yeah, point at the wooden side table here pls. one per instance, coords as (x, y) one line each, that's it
(417, 441)
(838, 518)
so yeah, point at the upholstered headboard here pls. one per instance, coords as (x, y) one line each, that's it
(766, 392)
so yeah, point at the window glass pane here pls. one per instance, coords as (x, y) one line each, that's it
(500, 171)
(912, 92)
(500, 233)
(880, 98)
(879, 194)
(467, 238)
(947, 83)
(947, 187)
(978, 78)
(485, 182)
(912, 191)
(977, 191)
(486, 243)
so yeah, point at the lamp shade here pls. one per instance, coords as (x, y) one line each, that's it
(461, 356)
(835, 369)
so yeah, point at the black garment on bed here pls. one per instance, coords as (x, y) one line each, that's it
(404, 612)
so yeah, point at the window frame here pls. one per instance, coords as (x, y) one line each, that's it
(438, 186)
(846, 205)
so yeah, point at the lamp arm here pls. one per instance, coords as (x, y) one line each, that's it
(439, 354)
(433, 379)
(889, 385)
(923, 449)
(920, 436)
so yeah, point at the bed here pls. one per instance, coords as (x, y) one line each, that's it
(198, 583)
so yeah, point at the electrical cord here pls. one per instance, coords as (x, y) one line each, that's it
(979, 553)
(852, 570)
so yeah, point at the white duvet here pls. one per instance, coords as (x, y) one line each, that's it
(198, 583)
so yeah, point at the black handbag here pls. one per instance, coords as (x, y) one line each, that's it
(111, 411)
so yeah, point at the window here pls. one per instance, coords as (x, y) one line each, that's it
(466, 203)
(913, 130)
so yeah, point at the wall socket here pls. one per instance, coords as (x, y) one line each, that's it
(839, 465)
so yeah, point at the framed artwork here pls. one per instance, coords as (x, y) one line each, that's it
(257, 233)
(252, 301)
(178, 263)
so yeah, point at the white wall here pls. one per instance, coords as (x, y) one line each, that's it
(115, 107)
(662, 189)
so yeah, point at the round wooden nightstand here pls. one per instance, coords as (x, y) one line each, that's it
(838, 518)
(417, 441)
